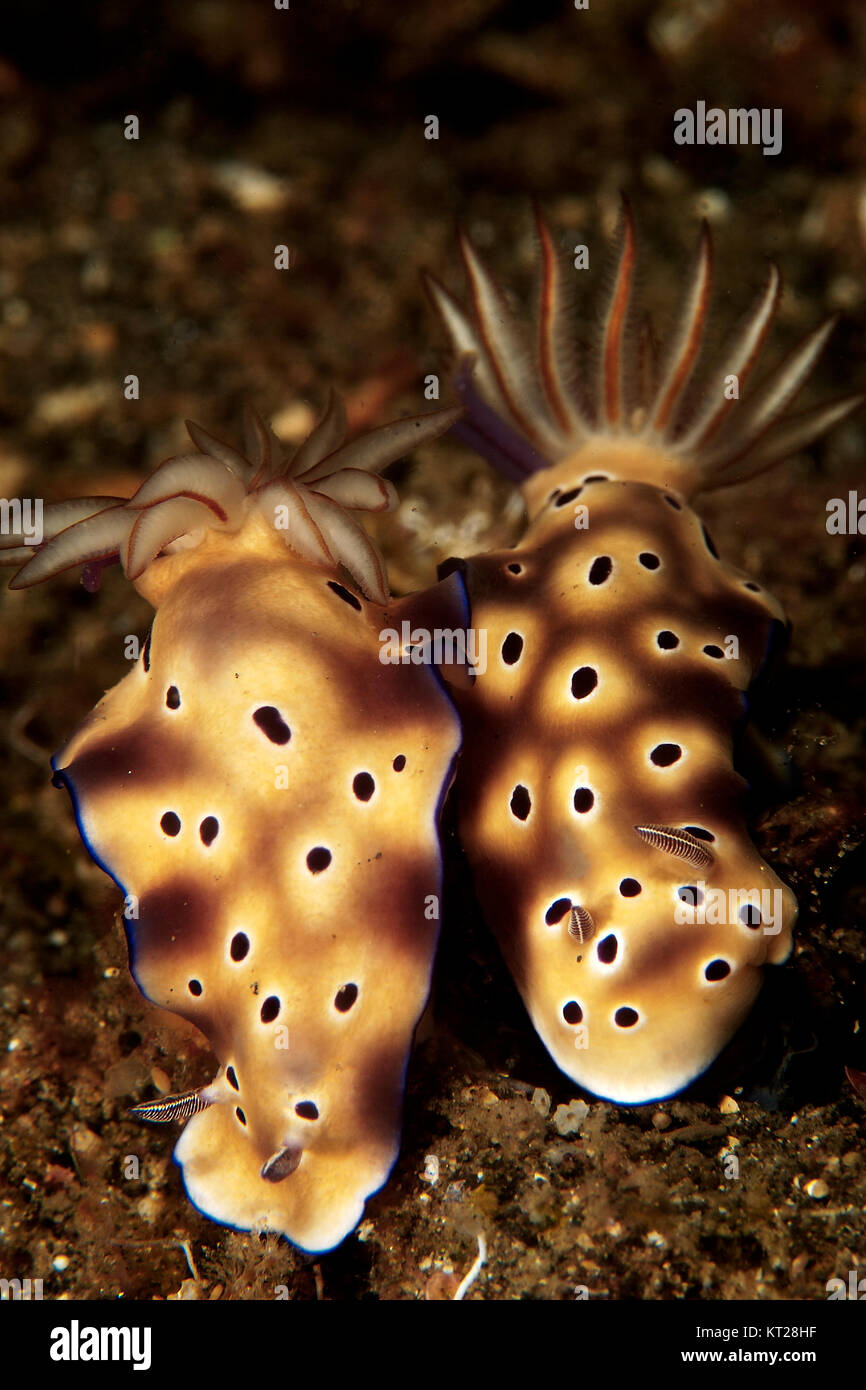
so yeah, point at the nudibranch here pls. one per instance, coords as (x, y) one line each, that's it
(265, 791)
(597, 798)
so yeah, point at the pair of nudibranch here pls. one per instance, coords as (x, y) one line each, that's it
(266, 790)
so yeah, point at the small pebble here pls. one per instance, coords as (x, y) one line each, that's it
(189, 1291)
(817, 1189)
(713, 204)
(728, 1106)
(96, 274)
(661, 1120)
(569, 1118)
(251, 189)
(60, 1263)
(89, 1150)
(541, 1101)
(294, 422)
(16, 312)
(71, 406)
(149, 1208)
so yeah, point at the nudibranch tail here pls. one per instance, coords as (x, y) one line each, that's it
(531, 381)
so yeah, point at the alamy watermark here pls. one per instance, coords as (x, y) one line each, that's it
(444, 646)
(846, 517)
(759, 908)
(77, 1343)
(854, 1289)
(18, 1290)
(736, 126)
(22, 516)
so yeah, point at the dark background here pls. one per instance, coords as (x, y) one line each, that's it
(155, 257)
